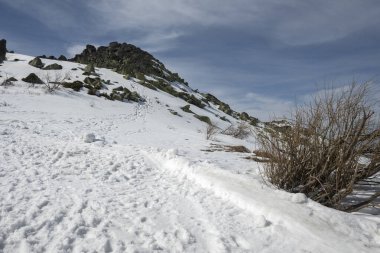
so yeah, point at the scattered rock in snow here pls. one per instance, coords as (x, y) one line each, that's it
(53, 66)
(89, 138)
(36, 62)
(62, 58)
(33, 78)
(261, 221)
(299, 198)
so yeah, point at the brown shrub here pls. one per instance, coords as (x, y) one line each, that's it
(322, 153)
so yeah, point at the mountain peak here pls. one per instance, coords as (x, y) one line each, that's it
(126, 59)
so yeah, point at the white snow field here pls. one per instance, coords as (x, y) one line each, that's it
(79, 173)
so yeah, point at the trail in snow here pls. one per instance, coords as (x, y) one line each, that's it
(64, 195)
(71, 196)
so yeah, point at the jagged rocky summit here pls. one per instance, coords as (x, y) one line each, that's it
(126, 59)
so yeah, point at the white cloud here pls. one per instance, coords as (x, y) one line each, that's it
(158, 42)
(165, 14)
(295, 22)
(75, 49)
(264, 107)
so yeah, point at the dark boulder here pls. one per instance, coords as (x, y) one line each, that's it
(36, 62)
(8, 82)
(53, 66)
(62, 58)
(76, 85)
(89, 68)
(93, 83)
(244, 116)
(33, 78)
(12, 79)
(3, 50)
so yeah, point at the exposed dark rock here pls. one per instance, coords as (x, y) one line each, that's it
(222, 106)
(246, 117)
(93, 83)
(126, 59)
(203, 118)
(52, 57)
(90, 68)
(186, 108)
(191, 99)
(33, 78)
(76, 85)
(121, 93)
(8, 82)
(3, 50)
(36, 62)
(62, 58)
(53, 66)
(12, 79)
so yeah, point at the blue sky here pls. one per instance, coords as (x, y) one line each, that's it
(260, 56)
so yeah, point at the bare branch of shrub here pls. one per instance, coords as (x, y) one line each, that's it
(52, 83)
(241, 131)
(7, 81)
(322, 153)
(211, 130)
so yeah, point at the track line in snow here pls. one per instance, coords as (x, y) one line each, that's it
(110, 193)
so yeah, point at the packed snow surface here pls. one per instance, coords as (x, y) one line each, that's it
(80, 173)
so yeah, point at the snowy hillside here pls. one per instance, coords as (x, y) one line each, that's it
(83, 173)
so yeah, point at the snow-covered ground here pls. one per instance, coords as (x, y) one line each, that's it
(80, 173)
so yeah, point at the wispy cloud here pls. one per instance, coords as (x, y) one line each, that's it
(158, 41)
(75, 49)
(295, 22)
(264, 107)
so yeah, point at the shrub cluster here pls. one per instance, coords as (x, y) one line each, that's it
(333, 142)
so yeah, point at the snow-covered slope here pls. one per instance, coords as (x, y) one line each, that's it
(80, 173)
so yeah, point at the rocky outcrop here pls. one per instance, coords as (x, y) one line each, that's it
(36, 62)
(246, 117)
(125, 59)
(89, 69)
(53, 66)
(33, 78)
(3, 50)
(62, 58)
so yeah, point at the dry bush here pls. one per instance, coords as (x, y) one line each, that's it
(241, 131)
(323, 153)
(7, 81)
(54, 82)
(211, 130)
